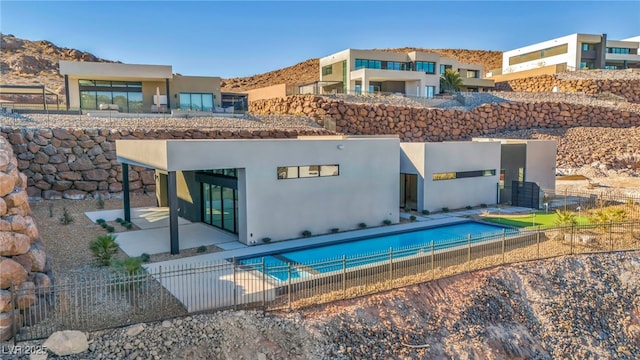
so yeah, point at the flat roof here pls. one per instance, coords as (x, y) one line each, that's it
(103, 70)
(191, 154)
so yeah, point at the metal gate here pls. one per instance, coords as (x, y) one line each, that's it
(525, 194)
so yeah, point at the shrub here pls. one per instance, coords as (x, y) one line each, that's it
(128, 225)
(100, 203)
(425, 212)
(335, 230)
(407, 209)
(104, 225)
(483, 205)
(145, 257)
(201, 249)
(306, 233)
(266, 240)
(119, 220)
(50, 210)
(103, 248)
(100, 221)
(445, 209)
(412, 218)
(362, 225)
(565, 218)
(66, 217)
(129, 266)
(468, 207)
(387, 222)
(110, 228)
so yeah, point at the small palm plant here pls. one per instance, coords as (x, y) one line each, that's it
(565, 218)
(450, 81)
(104, 247)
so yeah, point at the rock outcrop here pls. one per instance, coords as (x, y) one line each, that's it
(23, 262)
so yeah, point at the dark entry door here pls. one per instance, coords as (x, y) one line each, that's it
(409, 191)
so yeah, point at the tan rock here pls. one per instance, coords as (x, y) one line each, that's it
(26, 295)
(11, 273)
(38, 256)
(13, 243)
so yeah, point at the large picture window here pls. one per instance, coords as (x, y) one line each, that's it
(196, 101)
(126, 94)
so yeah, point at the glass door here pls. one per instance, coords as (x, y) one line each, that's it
(220, 207)
(409, 191)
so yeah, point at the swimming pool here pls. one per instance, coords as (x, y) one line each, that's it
(327, 258)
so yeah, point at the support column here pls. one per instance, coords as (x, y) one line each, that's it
(365, 83)
(172, 195)
(168, 95)
(66, 90)
(44, 98)
(125, 192)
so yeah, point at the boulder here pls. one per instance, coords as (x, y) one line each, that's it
(67, 342)
(7, 183)
(3, 207)
(26, 295)
(38, 256)
(51, 195)
(11, 272)
(95, 175)
(43, 283)
(16, 198)
(12, 243)
(6, 325)
(5, 300)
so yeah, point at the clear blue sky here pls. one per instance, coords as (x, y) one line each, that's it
(230, 39)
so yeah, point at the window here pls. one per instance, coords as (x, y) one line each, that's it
(306, 171)
(444, 68)
(327, 70)
(368, 64)
(587, 65)
(472, 74)
(429, 91)
(462, 174)
(127, 95)
(196, 101)
(588, 47)
(426, 66)
(615, 50)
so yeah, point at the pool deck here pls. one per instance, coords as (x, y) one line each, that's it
(249, 285)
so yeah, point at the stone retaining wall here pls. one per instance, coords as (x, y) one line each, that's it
(23, 261)
(77, 163)
(628, 89)
(424, 124)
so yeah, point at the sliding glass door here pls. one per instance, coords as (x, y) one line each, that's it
(220, 207)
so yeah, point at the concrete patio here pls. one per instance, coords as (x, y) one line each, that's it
(153, 236)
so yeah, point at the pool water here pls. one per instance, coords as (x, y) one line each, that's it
(328, 258)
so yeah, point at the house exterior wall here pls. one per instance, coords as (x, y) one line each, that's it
(267, 92)
(414, 81)
(541, 163)
(425, 159)
(574, 54)
(152, 77)
(364, 191)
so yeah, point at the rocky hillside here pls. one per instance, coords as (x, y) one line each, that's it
(307, 71)
(582, 307)
(25, 62)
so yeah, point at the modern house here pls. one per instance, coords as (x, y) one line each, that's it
(280, 188)
(275, 188)
(470, 173)
(135, 88)
(372, 71)
(568, 53)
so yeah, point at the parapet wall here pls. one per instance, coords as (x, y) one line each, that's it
(628, 89)
(428, 124)
(81, 163)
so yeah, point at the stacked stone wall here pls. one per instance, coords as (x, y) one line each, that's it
(628, 89)
(427, 124)
(80, 163)
(23, 261)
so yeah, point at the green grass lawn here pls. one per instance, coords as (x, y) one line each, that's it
(541, 219)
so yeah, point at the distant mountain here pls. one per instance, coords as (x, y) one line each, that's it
(308, 70)
(25, 62)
